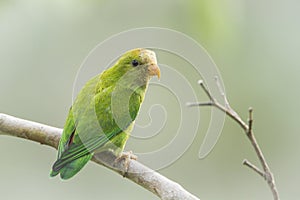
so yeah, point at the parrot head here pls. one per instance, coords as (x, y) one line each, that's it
(134, 68)
(142, 60)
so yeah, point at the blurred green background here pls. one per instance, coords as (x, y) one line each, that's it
(254, 43)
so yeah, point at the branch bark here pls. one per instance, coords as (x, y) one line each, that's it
(247, 127)
(156, 183)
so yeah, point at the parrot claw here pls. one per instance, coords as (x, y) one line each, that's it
(129, 155)
(126, 156)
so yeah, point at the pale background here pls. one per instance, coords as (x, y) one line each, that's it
(254, 43)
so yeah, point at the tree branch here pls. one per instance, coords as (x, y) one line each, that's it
(266, 172)
(138, 173)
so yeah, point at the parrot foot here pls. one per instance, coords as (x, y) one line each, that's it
(126, 156)
(129, 155)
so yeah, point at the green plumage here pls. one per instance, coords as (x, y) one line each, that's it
(103, 114)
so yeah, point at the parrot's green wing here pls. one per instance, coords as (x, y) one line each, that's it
(67, 140)
(89, 126)
(70, 136)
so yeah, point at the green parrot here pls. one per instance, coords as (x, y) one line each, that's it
(103, 114)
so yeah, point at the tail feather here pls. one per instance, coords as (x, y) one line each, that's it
(53, 173)
(72, 168)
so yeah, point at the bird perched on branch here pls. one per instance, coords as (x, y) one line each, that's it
(103, 114)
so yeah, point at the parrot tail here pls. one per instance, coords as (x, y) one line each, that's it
(72, 168)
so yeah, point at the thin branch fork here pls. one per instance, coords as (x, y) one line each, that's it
(247, 127)
(156, 183)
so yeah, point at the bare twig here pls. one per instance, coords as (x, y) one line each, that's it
(253, 167)
(138, 173)
(266, 172)
(201, 83)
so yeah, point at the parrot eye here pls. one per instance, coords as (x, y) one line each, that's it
(135, 63)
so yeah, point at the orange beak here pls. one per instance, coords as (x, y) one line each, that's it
(154, 70)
